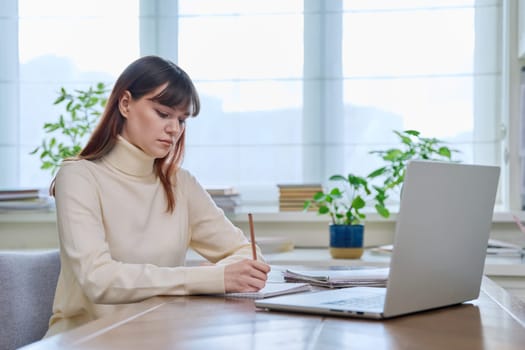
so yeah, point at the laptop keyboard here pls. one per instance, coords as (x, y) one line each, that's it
(366, 302)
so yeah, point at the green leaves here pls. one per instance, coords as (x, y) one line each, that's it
(344, 202)
(445, 152)
(358, 203)
(69, 133)
(393, 172)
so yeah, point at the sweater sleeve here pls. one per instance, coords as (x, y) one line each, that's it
(213, 235)
(86, 251)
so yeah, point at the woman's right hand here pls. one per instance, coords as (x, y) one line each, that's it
(245, 276)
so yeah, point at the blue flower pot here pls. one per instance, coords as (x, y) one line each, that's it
(346, 241)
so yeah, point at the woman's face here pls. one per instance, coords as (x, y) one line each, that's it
(151, 126)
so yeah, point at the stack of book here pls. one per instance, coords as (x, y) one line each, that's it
(228, 199)
(24, 199)
(292, 197)
(18, 194)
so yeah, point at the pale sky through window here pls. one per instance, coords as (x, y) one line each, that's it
(406, 64)
(395, 54)
(73, 29)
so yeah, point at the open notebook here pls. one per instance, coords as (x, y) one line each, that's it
(272, 289)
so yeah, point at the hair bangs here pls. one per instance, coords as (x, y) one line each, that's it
(179, 94)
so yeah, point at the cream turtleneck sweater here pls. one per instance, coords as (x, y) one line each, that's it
(118, 244)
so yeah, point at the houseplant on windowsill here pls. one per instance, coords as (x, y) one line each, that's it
(344, 204)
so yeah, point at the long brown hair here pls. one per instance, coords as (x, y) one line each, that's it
(140, 78)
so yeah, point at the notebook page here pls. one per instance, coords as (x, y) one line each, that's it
(272, 289)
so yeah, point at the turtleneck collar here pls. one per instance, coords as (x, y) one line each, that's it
(129, 159)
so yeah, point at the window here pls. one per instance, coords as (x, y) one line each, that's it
(314, 92)
(73, 44)
(292, 91)
(433, 66)
(246, 60)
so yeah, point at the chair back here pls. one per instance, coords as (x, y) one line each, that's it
(27, 288)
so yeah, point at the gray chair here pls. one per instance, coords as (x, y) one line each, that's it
(27, 289)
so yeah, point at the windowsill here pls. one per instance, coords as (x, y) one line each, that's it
(269, 216)
(28, 216)
(37, 229)
(498, 217)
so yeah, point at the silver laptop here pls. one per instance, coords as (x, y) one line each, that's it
(440, 244)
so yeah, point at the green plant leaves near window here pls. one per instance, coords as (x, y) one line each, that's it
(67, 135)
(344, 203)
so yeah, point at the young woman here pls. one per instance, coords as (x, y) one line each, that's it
(127, 212)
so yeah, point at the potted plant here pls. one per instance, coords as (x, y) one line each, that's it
(344, 204)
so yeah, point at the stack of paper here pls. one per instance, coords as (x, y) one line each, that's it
(16, 194)
(27, 204)
(24, 199)
(501, 248)
(369, 277)
(495, 247)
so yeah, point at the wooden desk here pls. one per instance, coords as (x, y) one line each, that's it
(494, 321)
